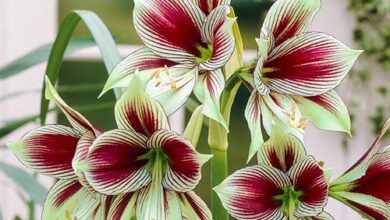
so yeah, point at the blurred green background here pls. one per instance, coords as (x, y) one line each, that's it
(117, 15)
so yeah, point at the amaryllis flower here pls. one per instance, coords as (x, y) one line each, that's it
(286, 183)
(56, 151)
(187, 44)
(296, 72)
(365, 186)
(153, 168)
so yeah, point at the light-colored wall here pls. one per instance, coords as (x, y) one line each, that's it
(27, 24)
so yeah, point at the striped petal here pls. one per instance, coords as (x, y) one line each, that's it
(326, 111)
(113, 165)
(321, 216)
(137, 111)
(156, 203)
(123, 207)
(48, 150)
(208, 90)
(253, 117)
(183, 172)
(171, 28)
(309, 64)
(217, 31)
(145, 60)
(193, 207)
(376, 180)
(249, 193)
(288, 18)
(360, 167)
(67, 199)
(208, 5)
(368, 206)
(281, 151)
(78, 121)
(171, 87)
(309, 179)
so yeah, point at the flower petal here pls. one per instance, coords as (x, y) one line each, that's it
(281, 151)
(309, 178)
(308, 65)
(67, 199)
(184, 163)
(113, 165)
(208, 90)
(123, 207)
(170, 28)
(360, 167)
(171, 87)
(78, 121)
(249, 193)
(368, 206)
(288, 18)
(253, 117)
(145, 60)
(156, 203)
(208, 5)
(136, 111)
(326, 111)
(376, 180)
(193, 207)
(217, 31)
(321, 216)
(48, 150)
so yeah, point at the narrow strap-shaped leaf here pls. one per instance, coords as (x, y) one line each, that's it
(99, 32)
(40, 55)
(26, 182)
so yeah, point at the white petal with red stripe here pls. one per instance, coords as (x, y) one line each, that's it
(208, 90)
(288, 18)
(183, 172)
(137, 111)
(170, 28)
(208, 5)
(309, 179)
(123, 207)
(326, 111)
(48, 150)
(308, 64)
(114, 165)
(253, 117)
(249, 193)
(193, 207)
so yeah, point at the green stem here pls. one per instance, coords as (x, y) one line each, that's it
(219, 171)
(31, 210)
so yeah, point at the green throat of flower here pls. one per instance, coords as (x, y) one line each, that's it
(205, 53)
(289, 200)
(157, 163)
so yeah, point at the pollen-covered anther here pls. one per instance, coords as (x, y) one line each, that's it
(321, 163)
(166, 70)
(157, 73)
(302, 123)
(173, 84)
(158, 83)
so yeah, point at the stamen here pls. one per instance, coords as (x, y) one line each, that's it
(158, 84)
(157, 73)
(173, 84)
(293, 110)
(166, 70)
(302, 123)
(321, 163)
(67, 214)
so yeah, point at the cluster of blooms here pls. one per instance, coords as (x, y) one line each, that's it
(145, 171)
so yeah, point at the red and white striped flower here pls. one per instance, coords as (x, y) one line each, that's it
(153, 168)
(57, 151)
(286, 183)
(365, 186)
(187, 43)
(295, 74)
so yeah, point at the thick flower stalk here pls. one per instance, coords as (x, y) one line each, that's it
(150, 167)
(295, 74)
(286, 183)
(365, 186)
(187, 44)
(56, 151)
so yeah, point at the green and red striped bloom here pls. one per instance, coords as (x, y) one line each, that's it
(295, 74)
(365, 186)
(187, 43)
(56, 151)
(150, 167)
(286, 184)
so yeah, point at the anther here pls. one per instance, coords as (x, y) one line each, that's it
(158, 84)
(166, 70)
(157, 73)
(173, 84)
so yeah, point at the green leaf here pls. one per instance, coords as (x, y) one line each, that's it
(25, 181)
(99, 32)
(40, 55)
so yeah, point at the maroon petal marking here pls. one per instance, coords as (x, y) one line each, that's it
(122, 206)
(309, 179)
(113, 163)
(193, 207)
(208, 5)
(48, 150)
